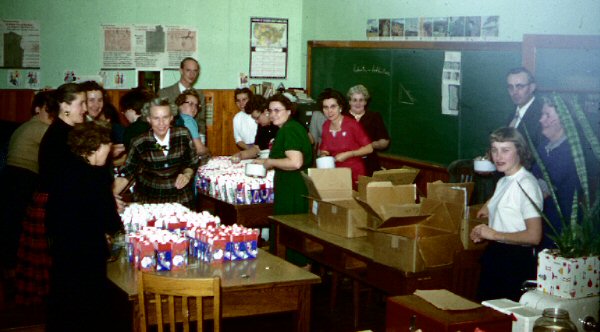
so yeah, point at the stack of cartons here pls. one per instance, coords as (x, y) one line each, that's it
(331, 198)
(409, 236)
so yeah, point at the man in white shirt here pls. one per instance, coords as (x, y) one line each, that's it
(244, 126)
(521, 86)
(189, 69)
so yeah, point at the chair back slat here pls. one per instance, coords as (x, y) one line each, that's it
(178, 292)
(159, 316)
(186, 314)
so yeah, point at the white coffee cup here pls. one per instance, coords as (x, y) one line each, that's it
(326, 162)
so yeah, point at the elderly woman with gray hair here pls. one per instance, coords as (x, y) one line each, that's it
(358, 97)
(162, 161)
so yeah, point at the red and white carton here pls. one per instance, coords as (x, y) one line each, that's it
(147, 256)
(570, 278)
(179, 253)
(216, 245)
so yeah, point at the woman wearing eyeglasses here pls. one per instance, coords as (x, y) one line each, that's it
(291, 153)
(188, 104)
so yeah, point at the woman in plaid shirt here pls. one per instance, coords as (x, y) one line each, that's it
(162, 160)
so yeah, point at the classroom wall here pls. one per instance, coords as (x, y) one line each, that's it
(346, 19)
(70, 33)
(224, 27)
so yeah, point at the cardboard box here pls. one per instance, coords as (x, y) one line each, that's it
(332, 204)
(459, 194)
(404, 175)
(570, 278)
(467, 225)
(405, 237)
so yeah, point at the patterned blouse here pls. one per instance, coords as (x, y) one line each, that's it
(156, 173)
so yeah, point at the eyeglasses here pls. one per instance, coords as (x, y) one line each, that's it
(191, 103)
(511, 87)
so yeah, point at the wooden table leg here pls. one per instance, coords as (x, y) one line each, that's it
(135, 322)
(303, 313)
(356, 300)
(279, 246)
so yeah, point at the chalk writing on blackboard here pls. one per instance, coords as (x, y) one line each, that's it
(405, 96)
(370, 69)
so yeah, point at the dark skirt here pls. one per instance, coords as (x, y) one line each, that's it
(504, 268)
(33, 257)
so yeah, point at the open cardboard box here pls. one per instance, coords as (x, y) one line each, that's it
(467, 225)
(454, 192)
(404, 175)
(332, 203)
(410, 237)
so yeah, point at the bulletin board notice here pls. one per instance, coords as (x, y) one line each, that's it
(268, 47)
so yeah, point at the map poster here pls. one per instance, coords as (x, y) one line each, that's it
(117, 46)
(268, 47)
(147, 46)
(20, 44)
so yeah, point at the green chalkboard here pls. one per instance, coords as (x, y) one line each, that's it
(405, 83)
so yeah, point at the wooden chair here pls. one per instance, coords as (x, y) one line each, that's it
(177, 293)
(461, 171)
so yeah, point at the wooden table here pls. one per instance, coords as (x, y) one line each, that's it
(264, 285)
(407, 311)
(352, 257)
(249, 215)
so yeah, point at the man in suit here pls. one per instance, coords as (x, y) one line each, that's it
(189, 69)
(521, 86)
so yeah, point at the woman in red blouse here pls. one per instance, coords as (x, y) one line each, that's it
(343, 137)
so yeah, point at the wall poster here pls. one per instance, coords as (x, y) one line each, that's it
(151, 46)
(268, 47)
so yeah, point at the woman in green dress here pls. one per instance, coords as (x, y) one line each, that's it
(291, 154)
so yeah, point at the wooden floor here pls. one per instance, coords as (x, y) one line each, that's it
(15, 318)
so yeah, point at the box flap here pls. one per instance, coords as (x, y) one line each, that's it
(449, 192)
(387, 193)
(446, 216)
(405, 175)
(439, 250)
(332, 183)
(392, 222)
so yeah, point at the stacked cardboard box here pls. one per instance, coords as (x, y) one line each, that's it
(408, 236)
(331, 198)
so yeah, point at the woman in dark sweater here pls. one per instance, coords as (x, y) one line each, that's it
(81, 211)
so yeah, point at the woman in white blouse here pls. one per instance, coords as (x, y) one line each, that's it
(515, 224)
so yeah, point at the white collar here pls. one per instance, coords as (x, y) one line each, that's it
(164, 141)
(525, 107)
(182, 87)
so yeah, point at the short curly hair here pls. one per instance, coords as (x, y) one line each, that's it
(85, 138)
(158, 102)
(333, 94)
(358, 89)
(283, 100)
(183, 96)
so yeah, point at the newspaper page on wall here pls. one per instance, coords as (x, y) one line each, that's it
(20, 44)
(451, 83)
(268, 47)
(147, 46)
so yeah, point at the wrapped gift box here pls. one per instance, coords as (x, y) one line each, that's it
(568, 277)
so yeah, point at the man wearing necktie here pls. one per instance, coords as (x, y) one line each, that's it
(521, 86)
